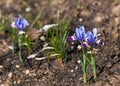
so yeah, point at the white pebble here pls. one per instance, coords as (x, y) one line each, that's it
(76, 67)
(71, 71)
(17, 66)
(28, 9)
(80, 79)
(27, 72)
(79, 47)
(79, 61)
(42, 38)
(1, 66)
(10, 75)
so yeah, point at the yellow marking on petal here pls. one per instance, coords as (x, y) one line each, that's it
(73, 37)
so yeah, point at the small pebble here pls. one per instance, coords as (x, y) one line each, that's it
(76, 67)
(105, 58)
(72, 42)
(116, 10)
(79, 47)
(28, 9)
(18, 81)
(71, 71)
(79, 61)
(98, 19)
(42, 38)
(80, 20)
(27, 72)
(14, 82)
(2, 84)
(10, 75)
(80, 79)
(1, 66)
(117, 20)
(86, 13)
(17, 66)
(34, 74)
(10, 47)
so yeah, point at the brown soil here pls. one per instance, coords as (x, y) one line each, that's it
(102, 14)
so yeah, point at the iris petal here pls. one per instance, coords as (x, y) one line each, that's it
(72, 38)
(77, 32)
(19, 23)
(82, 28)
(80, 33)
(91, 38)
(95, 32)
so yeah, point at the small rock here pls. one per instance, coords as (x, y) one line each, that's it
(4, 85)
(34, 74)
(98, 18)
(80, 20)
(117, 20)
(27, 72)
(108, 65)
(28, 9)
(80, 79)
(18, 81)
(76, 67)
(85, 13)
(1, 66)
(79, 47)
(14, 82)
(105, 58)
(10, 75)
(71, 71)
(17, 66)
(116, 10)
(79, 61)
(42, 38)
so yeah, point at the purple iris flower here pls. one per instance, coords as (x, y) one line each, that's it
(79, 34)
(20, 23)
(92, 38)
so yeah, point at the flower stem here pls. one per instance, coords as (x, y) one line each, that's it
(84, 77)
(20, 57)
(20, 48)
(13, 47)
(84, 66)
(93, 65)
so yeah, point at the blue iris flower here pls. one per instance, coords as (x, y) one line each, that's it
(79, 34)
(92, 37)
(20, 23)
(86, 39)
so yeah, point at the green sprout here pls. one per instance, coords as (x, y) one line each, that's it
(13, 35)
(84, 65)
(20, 41)
(3, 25)
(28, 43)
(57, 37)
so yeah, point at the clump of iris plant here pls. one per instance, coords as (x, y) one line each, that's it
(57, 38)
(87, 40)
(20, 24)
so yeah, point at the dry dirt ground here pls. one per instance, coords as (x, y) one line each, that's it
(102, 14)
